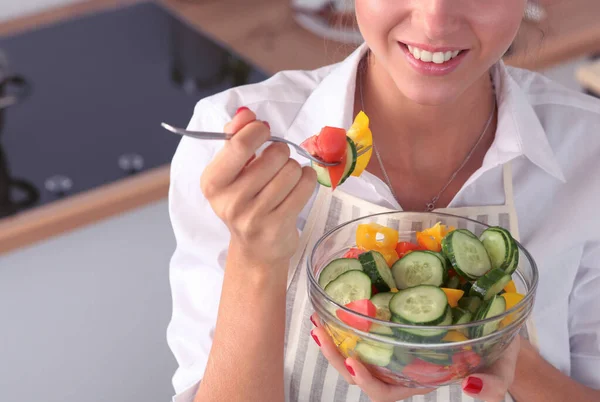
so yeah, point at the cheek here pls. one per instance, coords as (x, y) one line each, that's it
(496, 31)
(375, 20)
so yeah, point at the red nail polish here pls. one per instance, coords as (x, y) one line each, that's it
(315, 338)
(350, 369)
(473, 385)
(313, 321)
(267, 124)
(241, 109)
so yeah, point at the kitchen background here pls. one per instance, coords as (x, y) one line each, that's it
(84, 289)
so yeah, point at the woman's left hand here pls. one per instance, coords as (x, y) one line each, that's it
(491, 385)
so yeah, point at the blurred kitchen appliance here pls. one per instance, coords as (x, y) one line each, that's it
(102, 84)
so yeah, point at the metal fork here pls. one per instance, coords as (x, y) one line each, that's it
(204, 135)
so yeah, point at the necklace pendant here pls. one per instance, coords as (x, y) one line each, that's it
(429, 207)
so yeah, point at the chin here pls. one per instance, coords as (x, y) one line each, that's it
(430, 93)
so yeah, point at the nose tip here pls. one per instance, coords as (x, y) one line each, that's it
(438, 19)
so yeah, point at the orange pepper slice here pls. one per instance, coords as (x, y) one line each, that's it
(427, 241)
(391, 256)
(454, 336)
(510, 287)
(453, 295)
(367, 237)
(511, 300)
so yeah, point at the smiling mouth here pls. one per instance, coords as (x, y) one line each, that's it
(432, 57)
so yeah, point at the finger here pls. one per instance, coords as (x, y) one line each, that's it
(280, 187)
(316, 321)
(242, 117)
(299, 196)
(331, 353)
(493, 384)
(262, 170)
(229, 162)
(485, 387)
(377, 389)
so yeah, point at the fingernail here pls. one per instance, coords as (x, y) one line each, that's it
(473, 385)
(240, 110)
(349, 368)
(267, 124)
(313, 321)
(315, 338)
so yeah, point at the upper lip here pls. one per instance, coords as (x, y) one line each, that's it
(434, 49)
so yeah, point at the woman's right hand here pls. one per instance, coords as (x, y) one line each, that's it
(259, 199)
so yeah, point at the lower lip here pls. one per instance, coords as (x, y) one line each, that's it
(433, 68)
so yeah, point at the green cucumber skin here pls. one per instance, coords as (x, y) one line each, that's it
(369, 264)
(448, 251)
(471, 304)
(323, 282)
(507, 242)
(323, 174)
(485, 312)
(453, 283)
(484, 287)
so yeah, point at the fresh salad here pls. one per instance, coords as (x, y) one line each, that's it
(336, 145)
(450, 276)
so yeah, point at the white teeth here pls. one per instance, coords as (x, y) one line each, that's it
(438, 57)
(429, 57)
(426, 56)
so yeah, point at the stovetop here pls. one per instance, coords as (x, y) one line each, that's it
(101, 85)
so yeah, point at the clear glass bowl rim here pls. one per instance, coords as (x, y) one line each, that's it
(314, 285)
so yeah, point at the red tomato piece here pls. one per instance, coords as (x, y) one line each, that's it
(353, 253)
(364, 307)
(427, 373)
(336, 172)
(311, 145)
(374, 290)
(332, 144)
(405, 246)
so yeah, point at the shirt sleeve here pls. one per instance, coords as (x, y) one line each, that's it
(196, 267)
(584, 320)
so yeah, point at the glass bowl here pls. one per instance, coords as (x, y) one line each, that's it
(414, 363)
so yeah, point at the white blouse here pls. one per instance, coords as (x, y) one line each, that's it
(551, 135)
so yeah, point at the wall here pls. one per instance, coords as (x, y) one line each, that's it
(16, 8)
(83, 316)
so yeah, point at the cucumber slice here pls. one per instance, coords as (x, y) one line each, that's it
(420, 305)
(466, 254)
(381, 330)
(376, 267)
(439, 358)
(423, 335)
(351, 160)
(418, 268)
(499, 246)
(443, 259)
(514, 262)
(402, 356)
(466, 232)
(490, 284)
(382, 302)
(372, 354)
(348, 287)
(466, 287)
(471, 304)
(323, 174)
(461, 316)
(490, 308)
(337, 267)
(453, 283)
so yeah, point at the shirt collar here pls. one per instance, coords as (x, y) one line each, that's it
(519, 130)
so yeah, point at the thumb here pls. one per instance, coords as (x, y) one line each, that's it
(485, 387)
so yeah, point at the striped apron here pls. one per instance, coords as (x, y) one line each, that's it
(308, 376)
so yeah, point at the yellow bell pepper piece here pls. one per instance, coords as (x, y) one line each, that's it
(431, 238)
(367, 233)
(361, 134)
(510, 287)
(453, 295)
(454, 336)
(511, 300)
(394, 290)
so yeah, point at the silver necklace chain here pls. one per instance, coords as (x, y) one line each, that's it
(430, 206)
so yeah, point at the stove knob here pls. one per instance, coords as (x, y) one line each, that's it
(58, 185)
(131, 163)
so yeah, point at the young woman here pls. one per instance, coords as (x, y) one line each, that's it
(430, 78)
